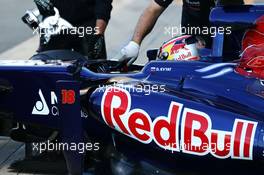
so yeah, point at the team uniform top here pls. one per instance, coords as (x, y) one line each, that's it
(78, 11)
(195, 13)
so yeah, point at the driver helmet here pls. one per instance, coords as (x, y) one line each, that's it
(252, 62)
(181, 48)
(255, 35)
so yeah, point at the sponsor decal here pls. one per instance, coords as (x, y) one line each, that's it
(257, 62)
(183, 130)
(42, 108)
(160, 69)
(183, 55)
(175, 48)
(193, 2)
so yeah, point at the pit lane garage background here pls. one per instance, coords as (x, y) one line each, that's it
(18, 42)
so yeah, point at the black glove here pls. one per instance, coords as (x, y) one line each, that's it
(99, 47)
(94, 47)
(46, 8)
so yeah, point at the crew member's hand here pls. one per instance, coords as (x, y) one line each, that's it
(129, 53)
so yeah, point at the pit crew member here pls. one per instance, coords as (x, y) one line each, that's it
(90, 15)
(195, 13)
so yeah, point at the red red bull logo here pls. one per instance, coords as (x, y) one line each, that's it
(175, 48)
(182, 130)
(257, 62)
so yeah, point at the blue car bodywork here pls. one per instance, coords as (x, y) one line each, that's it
(193, 103)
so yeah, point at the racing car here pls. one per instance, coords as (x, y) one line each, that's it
(149, 117)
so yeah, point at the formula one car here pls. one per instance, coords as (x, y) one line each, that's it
(150, 116)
